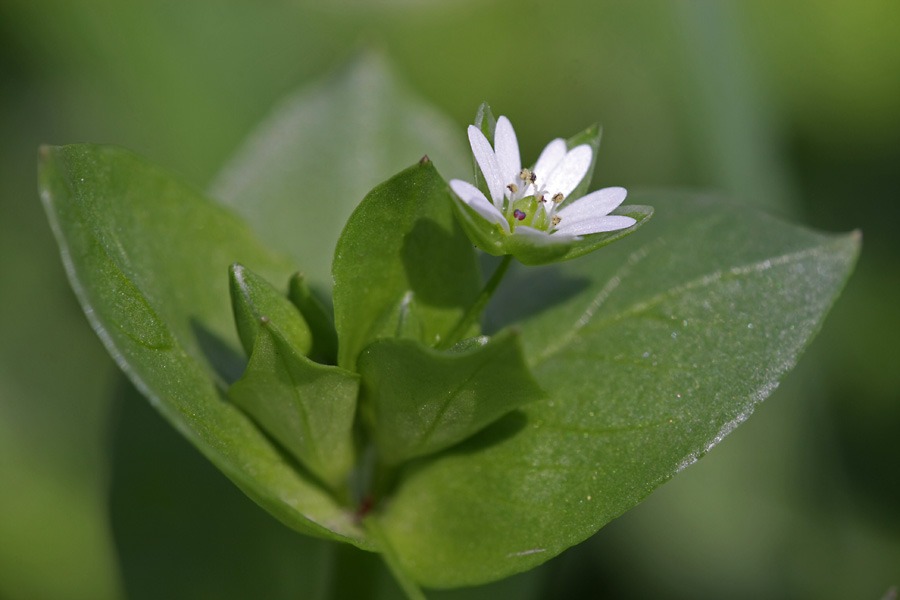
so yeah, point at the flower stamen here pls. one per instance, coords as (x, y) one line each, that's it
(519, 214)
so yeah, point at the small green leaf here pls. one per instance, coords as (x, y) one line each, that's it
(403, 267)
(421, 401)
(146, 255)
(666, 343)
(309, 408)
(321, 323)
(252, 298)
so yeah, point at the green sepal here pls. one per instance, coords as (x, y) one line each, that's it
(317, 317)
(488, 237)
(419, 401)
(487, 124)
(403, 266)
(485, 121)
(307, 407)
(252, 298)
(591, 137)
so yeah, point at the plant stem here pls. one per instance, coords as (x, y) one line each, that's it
(406, 583)
(474, 313)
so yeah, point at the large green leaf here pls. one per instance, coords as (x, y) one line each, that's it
(422, 400)
(403, 266)
(148, 257)
(299, 176)
(672, 340)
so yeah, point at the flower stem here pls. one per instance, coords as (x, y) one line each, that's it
(474, 313)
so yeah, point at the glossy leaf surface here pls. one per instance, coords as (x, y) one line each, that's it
(147, 256)
(309, 408)
(421, 400)
(252, 298)
(403, 266)
(657, 349)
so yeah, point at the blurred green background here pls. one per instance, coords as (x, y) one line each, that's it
(791, 105)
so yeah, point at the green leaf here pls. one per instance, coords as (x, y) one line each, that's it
(421, 401)
(301, 173)
(668, 342)
(309, 408)
(147, 256)
(321, 323)
(252, 298)
(403, 267)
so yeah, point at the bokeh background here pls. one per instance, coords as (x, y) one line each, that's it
(790, 105)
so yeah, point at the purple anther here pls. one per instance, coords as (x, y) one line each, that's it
(519, 214)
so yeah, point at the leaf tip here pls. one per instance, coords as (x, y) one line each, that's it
(424, 160)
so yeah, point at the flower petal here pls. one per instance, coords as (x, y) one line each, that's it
(472, 196)
(554, 152)
(594, 225)
(542, 238)
(506, 150)
(484, 156)
(570, 171)
(595, 204)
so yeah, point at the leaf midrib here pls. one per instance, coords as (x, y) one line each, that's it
(443, 409)
(586, 317)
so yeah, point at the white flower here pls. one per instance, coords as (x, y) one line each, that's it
(516, 192)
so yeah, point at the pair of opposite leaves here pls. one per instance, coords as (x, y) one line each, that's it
(416, 400)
